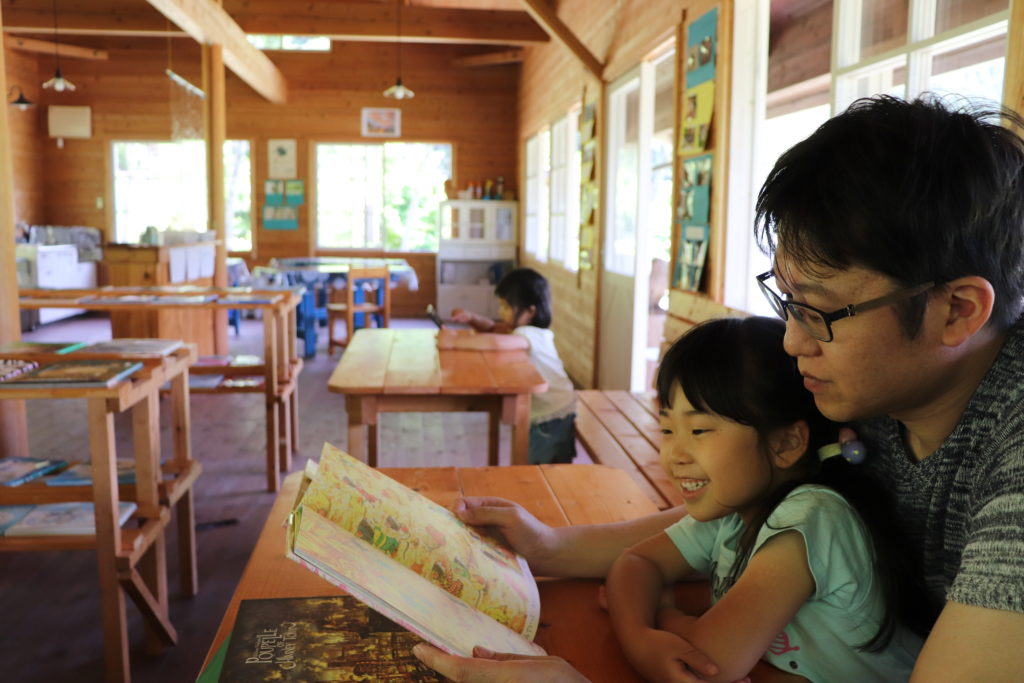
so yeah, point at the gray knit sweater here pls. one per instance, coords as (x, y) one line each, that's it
(964, 504)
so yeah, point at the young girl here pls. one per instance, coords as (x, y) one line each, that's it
(525, 310)
(805, 568)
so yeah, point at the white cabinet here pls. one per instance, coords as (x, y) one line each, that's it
(478, 246)
(54, 266)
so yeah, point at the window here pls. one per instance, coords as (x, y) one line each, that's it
(292, 43)
(380, 196)
(143, 172)
(531, 199)
(624, 177)
(565, 190)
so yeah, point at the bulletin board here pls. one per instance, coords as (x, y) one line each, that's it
(589, 186)
(694, 155)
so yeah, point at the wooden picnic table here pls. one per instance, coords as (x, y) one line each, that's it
(399, 370)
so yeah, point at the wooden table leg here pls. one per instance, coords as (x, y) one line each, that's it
(108, 537)
(293, 406)
(493, 436)
(181, 426)
(516, 412)
(363, 437)
(285, 447)
(273, 443)
(153, 564)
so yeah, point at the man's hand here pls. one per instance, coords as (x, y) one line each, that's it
(461, 315)
(497, 667)
(527, 535)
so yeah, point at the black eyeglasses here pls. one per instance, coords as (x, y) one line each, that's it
(817, 322)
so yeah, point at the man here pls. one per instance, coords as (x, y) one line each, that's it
(898, 238)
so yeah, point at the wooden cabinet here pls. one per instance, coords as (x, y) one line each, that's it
(478, 246)
(130, 265)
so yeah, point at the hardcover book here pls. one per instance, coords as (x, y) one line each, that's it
(81, 373)
(144, 348)
(412, 560)
(80, 474)
(13, 368)
(55, 519)
(22, 348)
(319, 639)
(15, 470)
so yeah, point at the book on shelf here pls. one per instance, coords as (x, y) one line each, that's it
(214, 361)
(412, 560)
(143, 348)
(55, 519)
(13, 367)
(246, 299)
(185, 298)
(240, 382)
(15, 470)
(319, 638)
(80, 474)
(24, 348)
(204, 381)
(121, 299)
(74, 374)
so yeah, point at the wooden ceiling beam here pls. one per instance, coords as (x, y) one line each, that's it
(360, 21)
(49, 48)
(545, 15)
(490, 58)
(209, 24)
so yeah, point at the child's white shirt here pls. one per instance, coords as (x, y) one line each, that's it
(560, 398)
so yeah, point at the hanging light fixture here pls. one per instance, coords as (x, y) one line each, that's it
(21, 103)
(58, 83)
(398, 91)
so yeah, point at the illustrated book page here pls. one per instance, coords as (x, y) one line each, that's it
(412, 560)
(82, 373)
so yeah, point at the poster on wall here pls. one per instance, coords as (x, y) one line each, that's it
(281, 159)
(381, 122)
(693, 250)
(695, 190)
(701, 48)
(280, 218)
(589, 192)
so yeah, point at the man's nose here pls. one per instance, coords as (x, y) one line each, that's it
(798, 341)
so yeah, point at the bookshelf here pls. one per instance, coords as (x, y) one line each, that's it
(478, 246)
(131, 559)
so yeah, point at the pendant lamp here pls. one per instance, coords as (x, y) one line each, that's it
(21, 103)
(58, 83)
(398, 91)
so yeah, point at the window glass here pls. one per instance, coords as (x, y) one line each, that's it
(380, 196)
(624, 170)
(883, 26)
(543, 194)
(238, 195)
(531, 208)
(950, 14)
(974, 70)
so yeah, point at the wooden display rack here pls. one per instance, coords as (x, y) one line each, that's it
(130, 560)
(280, 367)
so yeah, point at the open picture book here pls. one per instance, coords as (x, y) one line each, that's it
(411, 559)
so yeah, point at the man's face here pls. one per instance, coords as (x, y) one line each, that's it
(870, 368)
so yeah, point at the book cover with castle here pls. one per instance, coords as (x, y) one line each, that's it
(319, 639)
(412, 560)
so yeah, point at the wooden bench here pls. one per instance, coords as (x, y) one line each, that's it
(622, 429)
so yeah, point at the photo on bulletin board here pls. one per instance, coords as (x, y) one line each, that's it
(294, 192)
(693, 250)
(274, 190)
(381, 123)
(280, 218)
(701, 48)
(695, 190)
(698, 108)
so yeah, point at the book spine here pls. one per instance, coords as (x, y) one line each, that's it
(35, 474)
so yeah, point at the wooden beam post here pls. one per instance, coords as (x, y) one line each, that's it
(13, 418)
(48, 47)
(216, 127)
(209, 24)
(545, 15)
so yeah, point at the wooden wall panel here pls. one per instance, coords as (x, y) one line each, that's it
(26, 131)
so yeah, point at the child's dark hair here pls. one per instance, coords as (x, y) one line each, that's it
(737, 368)
(525, 287)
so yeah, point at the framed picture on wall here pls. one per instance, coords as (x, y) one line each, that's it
(381, 123)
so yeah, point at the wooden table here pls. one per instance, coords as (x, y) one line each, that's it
(131, 561)
(573, 626)
(280, 367)
(396, 370)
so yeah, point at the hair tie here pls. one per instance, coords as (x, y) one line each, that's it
(852, 452)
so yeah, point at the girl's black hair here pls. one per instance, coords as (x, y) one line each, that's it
(737, 368)
(525, 287)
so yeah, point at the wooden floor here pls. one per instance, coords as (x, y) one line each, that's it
(48, 601)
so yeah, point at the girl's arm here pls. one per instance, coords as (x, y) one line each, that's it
(737, 630)
(480, 323)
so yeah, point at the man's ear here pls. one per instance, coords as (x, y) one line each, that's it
(789, 444)
(967, 306)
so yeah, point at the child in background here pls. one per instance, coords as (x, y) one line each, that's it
(525, 318)
(805, 566)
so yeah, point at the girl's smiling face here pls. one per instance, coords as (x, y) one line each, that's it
(718, 464)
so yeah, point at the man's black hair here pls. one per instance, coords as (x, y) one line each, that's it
(525, 287)
(921, 191)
